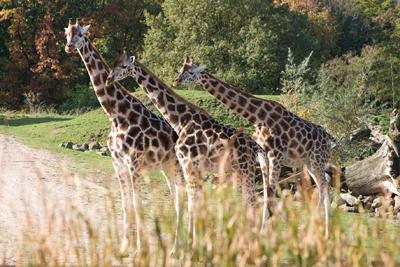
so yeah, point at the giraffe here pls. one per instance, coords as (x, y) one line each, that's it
(287, 138)
(202, 140)
(139, 140)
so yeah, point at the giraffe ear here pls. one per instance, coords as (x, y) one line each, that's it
(84, 30)
(200, 69)
(133, 59)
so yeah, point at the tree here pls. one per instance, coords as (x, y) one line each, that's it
(32, 50)
(352, 27)
(323, 25)
(371, 8)
(294, 85)
(342, 96)
(387, 34)
(244, 44)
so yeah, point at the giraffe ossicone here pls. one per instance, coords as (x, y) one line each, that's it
(288, 139)
(202, 141)
(139, 140)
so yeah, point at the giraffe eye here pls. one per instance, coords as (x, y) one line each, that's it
(191, 73)
(80, 35)
(124, 67)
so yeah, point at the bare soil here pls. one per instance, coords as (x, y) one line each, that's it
(34, 188)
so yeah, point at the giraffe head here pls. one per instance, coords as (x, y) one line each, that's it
(75, 36)
(122, 67)
(189, 72)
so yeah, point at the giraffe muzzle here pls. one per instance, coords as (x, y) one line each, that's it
(109, 81)
(177, 83)
(69, 48)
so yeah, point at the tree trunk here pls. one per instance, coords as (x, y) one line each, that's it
(376, 174)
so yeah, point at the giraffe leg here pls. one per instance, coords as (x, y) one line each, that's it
(121, 171)
(192, 197)
(317, 171)
(275, 161)
(179, 202)
(136, 180)
(262, 157)
(169, 175)
(192, 190)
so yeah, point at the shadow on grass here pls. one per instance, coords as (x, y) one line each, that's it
(18, 121)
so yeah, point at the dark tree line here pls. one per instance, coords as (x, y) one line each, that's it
(245, 43)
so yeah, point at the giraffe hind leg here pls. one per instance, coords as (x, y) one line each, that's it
(317, 172)
(274, 172)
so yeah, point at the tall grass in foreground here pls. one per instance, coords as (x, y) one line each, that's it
(87, 231)
(73, 234)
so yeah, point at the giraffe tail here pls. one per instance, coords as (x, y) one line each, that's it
(337, 144)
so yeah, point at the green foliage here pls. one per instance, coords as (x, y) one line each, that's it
(243, 44)
(383, 121)
(79, 97)
(387, 59)
(371, 8)
(342, 96)
(352, 27)
(294, 85)
(339, 99)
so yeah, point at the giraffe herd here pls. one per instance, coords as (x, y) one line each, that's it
(189, 142)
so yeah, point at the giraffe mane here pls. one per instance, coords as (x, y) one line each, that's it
(117, 84)
(172, 91)
(245, 93)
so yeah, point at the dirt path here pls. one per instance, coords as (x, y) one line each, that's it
(32, 190)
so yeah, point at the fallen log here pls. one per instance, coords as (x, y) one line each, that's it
(377, 173)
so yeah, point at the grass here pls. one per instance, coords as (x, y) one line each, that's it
(383, 121)
(223, 230)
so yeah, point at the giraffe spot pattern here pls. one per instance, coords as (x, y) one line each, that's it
(123, 107)
(133, 118)
(96, 80)
(109, 105)
(242, 101)
(100, 66)
(100, 92)
(120, 96)
(152, 81)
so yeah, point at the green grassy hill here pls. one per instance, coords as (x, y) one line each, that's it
(95, 126)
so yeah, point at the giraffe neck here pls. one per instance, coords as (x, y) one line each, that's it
(176, 110)
(114, 99)
(256, 110)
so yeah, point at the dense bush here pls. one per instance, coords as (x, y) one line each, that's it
(339, 100)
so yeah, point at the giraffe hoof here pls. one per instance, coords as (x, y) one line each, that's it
(173, 253)
(123, 254)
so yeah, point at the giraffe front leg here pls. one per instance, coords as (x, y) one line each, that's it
(121, 171)
(325, 193)
(136, 180)
(179, 202)
(191, 189)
